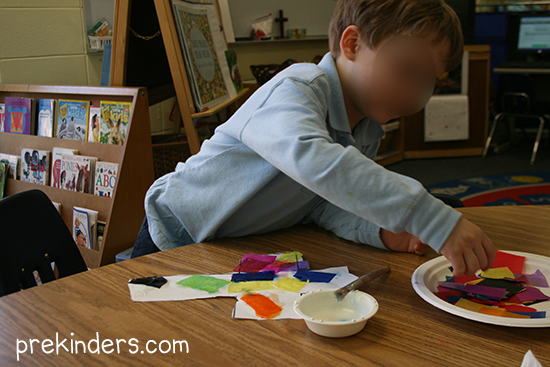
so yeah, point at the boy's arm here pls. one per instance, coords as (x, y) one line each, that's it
(346, 225)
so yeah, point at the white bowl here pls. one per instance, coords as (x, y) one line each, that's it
(326, 316)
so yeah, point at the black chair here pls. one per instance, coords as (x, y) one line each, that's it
(516, 97)
(33, 237)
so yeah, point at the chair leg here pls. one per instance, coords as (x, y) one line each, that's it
(537, 141)
(493, 128)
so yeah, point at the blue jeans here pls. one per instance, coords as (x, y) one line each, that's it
(144, 243)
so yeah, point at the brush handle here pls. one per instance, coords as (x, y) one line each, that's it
(367, 277)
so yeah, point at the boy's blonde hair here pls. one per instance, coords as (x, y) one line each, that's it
(381, 19)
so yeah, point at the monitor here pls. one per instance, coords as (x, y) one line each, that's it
(529, 36)
(534, 33)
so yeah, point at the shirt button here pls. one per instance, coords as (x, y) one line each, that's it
(342, 141)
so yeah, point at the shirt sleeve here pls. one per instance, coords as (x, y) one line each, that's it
(346, 225)
(288, 129)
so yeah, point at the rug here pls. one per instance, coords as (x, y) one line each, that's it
(531, 188)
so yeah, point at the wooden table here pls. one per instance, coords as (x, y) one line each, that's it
(406, 331)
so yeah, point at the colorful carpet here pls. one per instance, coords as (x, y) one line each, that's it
(512, 189)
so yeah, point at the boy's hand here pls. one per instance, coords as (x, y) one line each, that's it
(402, 242)
(468, 249)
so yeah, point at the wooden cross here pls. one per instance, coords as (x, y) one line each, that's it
(282, 21)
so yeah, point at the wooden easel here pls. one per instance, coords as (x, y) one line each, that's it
(158, 65)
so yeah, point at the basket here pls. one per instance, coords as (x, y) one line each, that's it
(263, 73)
(166, 156)
(97, 43)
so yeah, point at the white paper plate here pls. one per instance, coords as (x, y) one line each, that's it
(425, 278)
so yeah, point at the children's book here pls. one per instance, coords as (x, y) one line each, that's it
(234, 70)
(105, 178)
(114, 122)
(2, 116)
(56, 164)
(46, 109)
(204, 46)
(94, 125)
(57, 206)
(84, 227)
(19, 118)
(13, 162)
(72, 119)
(77, 172)
(3, 175)
(35, 166)
(100, 232)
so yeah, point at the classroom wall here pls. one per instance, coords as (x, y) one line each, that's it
(44, 42)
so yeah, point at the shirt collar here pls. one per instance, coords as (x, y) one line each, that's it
(337, 110)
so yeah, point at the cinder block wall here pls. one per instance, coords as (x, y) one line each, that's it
(44, 42)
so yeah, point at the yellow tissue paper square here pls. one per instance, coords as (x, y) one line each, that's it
(290, 257)
(291, 284)
(498, 273)
(260, 285)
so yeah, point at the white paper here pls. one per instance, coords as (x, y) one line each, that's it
(171, 291)
(446, 118)
(530, 361)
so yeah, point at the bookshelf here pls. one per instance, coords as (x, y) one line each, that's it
(123, 213)
(478, 98)
(408, 141)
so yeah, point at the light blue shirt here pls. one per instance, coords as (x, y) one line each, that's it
(288, 156)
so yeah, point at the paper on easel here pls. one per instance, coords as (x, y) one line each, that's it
(446, 118)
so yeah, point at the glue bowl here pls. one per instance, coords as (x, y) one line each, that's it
(326, 316)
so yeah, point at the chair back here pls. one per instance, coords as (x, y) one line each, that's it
(34, 237)
(516, 94)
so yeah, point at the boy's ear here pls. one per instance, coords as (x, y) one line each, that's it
(349, 42)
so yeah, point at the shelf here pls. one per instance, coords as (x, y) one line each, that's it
(389, 157)
(124, 212)
(214, 110)
(279, 40)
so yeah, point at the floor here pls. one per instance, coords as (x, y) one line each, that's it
(514, 160)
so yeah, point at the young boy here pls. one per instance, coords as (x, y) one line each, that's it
(301, 148)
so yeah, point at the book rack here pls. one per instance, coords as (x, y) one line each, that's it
(124, 212)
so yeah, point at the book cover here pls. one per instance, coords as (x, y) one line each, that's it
(203, 46)
(19, 116)
(57, 153)
(57, 206)
(114, 122)
(35, 166)
(76, 173)
(72, 119)
(234, 70)
(3, 176)
(84, 227)
(105, 178)
(45, 125)
(14, 165)
(100, 233)
(2, 116)
(94, 124)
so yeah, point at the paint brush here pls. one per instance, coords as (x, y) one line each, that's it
(343, 292)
